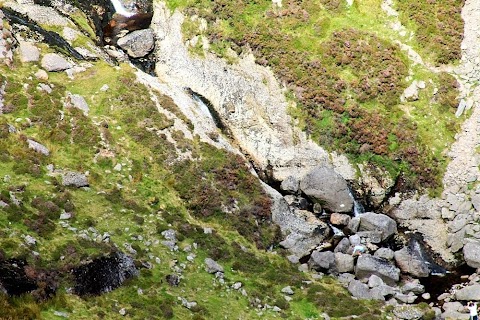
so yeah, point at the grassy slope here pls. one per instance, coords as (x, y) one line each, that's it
(150, 194)
(346, 74)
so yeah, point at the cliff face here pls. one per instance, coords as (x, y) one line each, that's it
(160, 181)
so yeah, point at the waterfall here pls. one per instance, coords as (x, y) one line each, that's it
(358, 208)
(336, 232)
(120, 9)
(417, 248)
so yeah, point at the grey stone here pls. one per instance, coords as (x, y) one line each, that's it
(28, 52)
(287, 290)
(54, 62)
(455, 241)
(371, 236)
(138, 43)
(370, 221)
(471, 254)
(368, 265)
(169, 234)
(37, 147)
(374, 281)
(325, 186)
(77, 101)
(74, 179)
(384, 253)
(211, 266)
(359, 289)
(321, 260)
(468, 293)
(353, 224)
(476, 201)
(413, 286)
(343, 262)
(41, 75)
(345, 278)
(408, 312)
(409, 263)
(405, 298)
(290, 185)
(65, 216)
(342, 246)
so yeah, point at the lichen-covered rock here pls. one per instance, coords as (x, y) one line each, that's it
(77, 101)
(74, 179)
(211, 266)
(40, 148)
(54, 62)
(138, 43)
(324, 185)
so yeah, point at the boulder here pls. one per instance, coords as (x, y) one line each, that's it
(290, 185)
(410, 263)
(74, 179)
(211, 266)
(342, 246)
(343, 262)
(353, 224)
(413, 286)
(77, 101)
(302, 230)
(325, 186)
(138, 43)
(28, 52)
(339, 219)
(375, 281)
(371, 221)
(54, 62)
(322, 260)
(471, 254)
(368, 265)
(37, 147)
(409, 312)
(468, 293)
(359, 289)
(384, 253)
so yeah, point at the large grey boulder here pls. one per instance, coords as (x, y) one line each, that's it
(359, 289)
(368, 265)
(343, 262)
(138, 43)
(371, 221)
(322, 260)
(468, 293)
(410, 263)
(471, 254)
(302, 230)
(343, 246)
(384, 253)
(74, 179)
(290, 185)
(54, 62)
(325, 186)
(409, 312)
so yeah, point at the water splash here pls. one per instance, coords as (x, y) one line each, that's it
(120, 9)
(336, 232)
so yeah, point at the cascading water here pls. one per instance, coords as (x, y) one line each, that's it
(120, 9)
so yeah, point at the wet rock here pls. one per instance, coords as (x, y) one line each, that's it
(339, 219)
(290, 185)
(468, 293)
(103, 274)
(325, 186)
(138, 43)
(37, 147)
(471, 254)
(77, 101)
(54, 62)
(74, 179)
(371, 221)
(368, 265)
(211, 266)
(28, 52)
(343, 262)
(322, 261)
(409, 263)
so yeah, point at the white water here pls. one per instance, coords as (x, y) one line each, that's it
(336, 232)
(120, 9)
